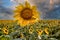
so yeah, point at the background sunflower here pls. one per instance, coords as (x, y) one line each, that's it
(5, 30)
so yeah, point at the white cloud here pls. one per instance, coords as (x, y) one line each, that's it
(17, 1)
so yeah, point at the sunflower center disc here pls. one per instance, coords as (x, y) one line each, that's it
(26, 13)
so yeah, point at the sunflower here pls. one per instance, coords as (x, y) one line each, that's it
(46, 31)
(39, 32)
(31, 30)
(21, 35)
(5, 30)
(26, 14)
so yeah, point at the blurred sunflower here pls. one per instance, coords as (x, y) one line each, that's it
(31, 30)
(46, 31)
(39, 32)
(5, 30)
(21, 35)
(26, 14)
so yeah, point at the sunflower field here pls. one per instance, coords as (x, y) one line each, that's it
(41, 30)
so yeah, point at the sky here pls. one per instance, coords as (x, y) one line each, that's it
(47, 9)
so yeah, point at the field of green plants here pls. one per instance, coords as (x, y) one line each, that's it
(42, 30)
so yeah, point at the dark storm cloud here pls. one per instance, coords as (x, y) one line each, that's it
(43, 6)
(53, 14)
(5, 10)
(48, 11)
(5, 13)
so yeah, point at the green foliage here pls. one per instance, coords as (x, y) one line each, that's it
(15, 31)
(5, 37)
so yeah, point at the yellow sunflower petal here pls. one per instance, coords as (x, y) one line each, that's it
(46, 31)
(27, 5)
(19, 8)
(25, 22)
(33, 7)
